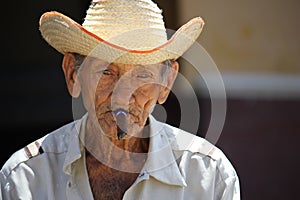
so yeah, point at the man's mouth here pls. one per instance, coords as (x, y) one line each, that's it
(121, 120)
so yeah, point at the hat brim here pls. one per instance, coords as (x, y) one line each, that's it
(66, 35)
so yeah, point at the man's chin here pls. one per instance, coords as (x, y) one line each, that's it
(109, 127)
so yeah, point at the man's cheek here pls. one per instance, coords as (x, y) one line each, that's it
(146, 93)
(88, 101)
(149, 107)
(103, 94)
(145, 109)
(108, 123)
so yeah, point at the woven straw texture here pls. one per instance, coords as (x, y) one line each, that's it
(120, 31)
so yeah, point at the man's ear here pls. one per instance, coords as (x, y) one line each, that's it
(68, 66)
(166, 88)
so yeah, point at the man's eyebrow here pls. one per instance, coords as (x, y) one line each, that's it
(157, 65)
(94, 63)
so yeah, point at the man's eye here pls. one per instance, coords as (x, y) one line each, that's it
(144, 75)
(106, 72)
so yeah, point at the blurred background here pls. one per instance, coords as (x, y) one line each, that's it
(255, 45)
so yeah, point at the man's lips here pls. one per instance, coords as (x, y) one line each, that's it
(121, 119)
(120, 112)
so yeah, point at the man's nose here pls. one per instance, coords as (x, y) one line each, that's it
(122, 94)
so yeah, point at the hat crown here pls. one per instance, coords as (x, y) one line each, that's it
(134, 24)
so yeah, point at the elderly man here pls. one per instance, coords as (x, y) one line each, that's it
(122, 64)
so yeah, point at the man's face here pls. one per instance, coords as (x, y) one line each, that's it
(132, 89)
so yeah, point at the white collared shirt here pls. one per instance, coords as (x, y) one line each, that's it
(179, 166)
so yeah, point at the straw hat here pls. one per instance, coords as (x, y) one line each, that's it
(120, 31)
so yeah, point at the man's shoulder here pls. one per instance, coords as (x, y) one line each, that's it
(185, 141)
(182, 140)
(193, 148)
(53, 142)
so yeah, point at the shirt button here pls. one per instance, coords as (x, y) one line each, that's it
(142, 174)
(69, 184)
(7, 186)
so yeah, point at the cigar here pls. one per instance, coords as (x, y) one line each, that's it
(121, 118)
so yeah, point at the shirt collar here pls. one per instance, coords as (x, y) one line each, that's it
(75, 149)
(161, 163)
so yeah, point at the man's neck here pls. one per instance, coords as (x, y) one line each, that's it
(130, 152)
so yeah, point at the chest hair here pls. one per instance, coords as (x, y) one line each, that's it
(108, 183)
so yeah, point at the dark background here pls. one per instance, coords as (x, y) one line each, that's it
(260, 136)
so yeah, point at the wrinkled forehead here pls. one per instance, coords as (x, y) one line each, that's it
(91, 63)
